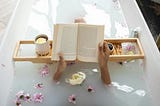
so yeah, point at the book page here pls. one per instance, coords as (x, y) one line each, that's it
(88, 38)
(65, 41)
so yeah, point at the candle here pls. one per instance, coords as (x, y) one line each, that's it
(41, 40)
(42, 45)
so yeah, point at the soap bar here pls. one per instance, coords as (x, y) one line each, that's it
(77, 78)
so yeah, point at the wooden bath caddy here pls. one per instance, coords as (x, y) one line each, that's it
(47, 59)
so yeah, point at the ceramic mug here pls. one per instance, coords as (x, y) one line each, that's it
(42, 45)
(109, 46)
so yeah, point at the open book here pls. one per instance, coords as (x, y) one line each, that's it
(77, 41)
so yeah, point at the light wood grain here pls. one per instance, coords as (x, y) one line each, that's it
(47, 59)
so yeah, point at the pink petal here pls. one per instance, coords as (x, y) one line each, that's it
(72, 99)
(39, 86)
(18, 103)
(90, 89)
(20, 95)
(27, 98)
(37, 97)
(44, 71)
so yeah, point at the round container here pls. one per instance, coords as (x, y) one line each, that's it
(109, 46)
(42, 46)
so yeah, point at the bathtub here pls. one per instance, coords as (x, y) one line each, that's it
(12, 35)
(18, 29)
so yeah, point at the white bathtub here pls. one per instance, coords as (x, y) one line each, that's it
(12, 35)
(17, 29)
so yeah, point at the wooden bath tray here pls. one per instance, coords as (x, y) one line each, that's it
(34, 58)
(122, 57)
(47, 59)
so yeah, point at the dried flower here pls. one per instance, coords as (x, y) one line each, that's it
(72, 99)
(90, 89)
(39, 86)
(27, 97)
(20, 95)
(130, 47)
(18, 103)
(44, 71)
(37, 98)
